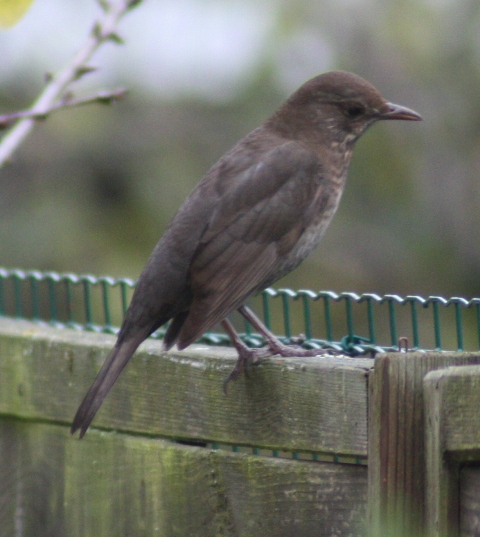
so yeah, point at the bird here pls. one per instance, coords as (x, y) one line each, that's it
(254, 217)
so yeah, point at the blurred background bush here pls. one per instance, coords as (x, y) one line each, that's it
(92, 189)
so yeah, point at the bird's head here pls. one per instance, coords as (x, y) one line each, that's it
(338, 106)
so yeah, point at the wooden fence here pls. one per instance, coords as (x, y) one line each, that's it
(284, 454)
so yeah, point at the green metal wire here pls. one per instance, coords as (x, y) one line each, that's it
(414, 313)
(349, 315)
(2, 297)
(52, 298)
(107, 284)
(69, 303)
(370, 299)
(88, 304)
(18, 298)
(248, 328)
(477, 310)
(123, 290)
(373, 323)
(287, 294)
(266, 309)
(35, 298)
(436, 323)
(391, 299)
(307, 313)
(458, 321)
(328, 317)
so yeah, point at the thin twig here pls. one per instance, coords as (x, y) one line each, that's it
(102, 97)
(51, 97)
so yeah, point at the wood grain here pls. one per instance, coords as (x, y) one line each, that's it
(470, 501)
(112, 484)
(397, 482)
(313, 404)
(452, 402)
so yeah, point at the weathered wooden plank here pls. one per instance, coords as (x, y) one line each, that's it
(470, 501)
(397, 488)
(452, 400)
(441, 501)
(314, 404)
(460, 387)
(113, 484)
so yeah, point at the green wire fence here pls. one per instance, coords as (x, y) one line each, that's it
(346, 322)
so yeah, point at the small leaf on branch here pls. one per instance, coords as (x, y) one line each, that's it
(115, 38)
(109, 97)
(84, 70)
(134, 3)
(97, 31)
(104, 5)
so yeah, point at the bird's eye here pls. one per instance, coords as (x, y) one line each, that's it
(354, 111)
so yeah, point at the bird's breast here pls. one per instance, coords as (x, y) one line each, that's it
(314, 226)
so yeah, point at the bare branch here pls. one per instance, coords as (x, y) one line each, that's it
(102, 97)
(53, 96)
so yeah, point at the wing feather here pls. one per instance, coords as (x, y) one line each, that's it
(257, 223)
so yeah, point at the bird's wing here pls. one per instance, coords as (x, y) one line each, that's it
(262, 214)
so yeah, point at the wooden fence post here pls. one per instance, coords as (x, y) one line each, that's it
(396, 452)
(452, 403)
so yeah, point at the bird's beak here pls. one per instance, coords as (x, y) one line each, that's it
(395, 111)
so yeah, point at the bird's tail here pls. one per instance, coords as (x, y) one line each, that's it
(108, 374)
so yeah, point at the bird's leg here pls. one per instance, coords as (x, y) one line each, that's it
(245, 354)
(273, 343)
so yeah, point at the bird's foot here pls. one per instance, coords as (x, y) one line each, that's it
(246, 357)
(275, 345)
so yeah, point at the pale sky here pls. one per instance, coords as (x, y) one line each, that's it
(201, 46)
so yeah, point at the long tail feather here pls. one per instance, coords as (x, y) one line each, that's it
(108, 374)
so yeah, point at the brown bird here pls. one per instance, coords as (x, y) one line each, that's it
(254, 217)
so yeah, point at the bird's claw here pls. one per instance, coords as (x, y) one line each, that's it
(246, 357)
